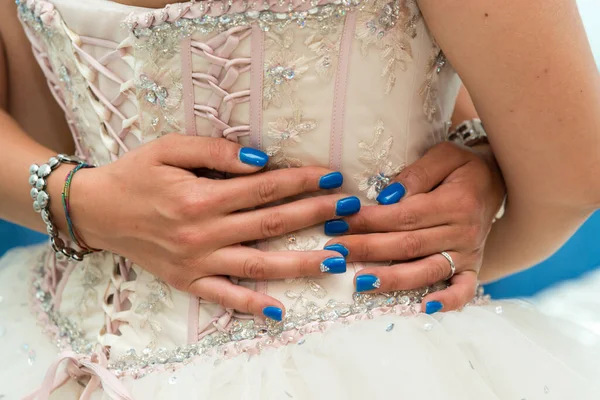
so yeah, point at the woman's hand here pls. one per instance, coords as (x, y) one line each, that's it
(449, 199)
(149, 207)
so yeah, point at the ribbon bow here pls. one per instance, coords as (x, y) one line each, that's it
(80, 366)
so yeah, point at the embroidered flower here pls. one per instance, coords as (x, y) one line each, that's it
(428, 90)
(326, 51)
(159, 94)
(281, 73)
(390, 27)
(155, 302)
(287, 132)
(380, 170)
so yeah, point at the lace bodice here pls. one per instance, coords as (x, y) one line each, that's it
(356, 85)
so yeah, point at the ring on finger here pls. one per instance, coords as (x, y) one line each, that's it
(452, 265)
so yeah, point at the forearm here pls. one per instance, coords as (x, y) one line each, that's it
(530, 230)
(17, 152)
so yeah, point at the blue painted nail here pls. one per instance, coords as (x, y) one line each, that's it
(339, 248)
(333, 180)
(347, 206)
(334, 265)
(335, 227)
(367, 282)
(432, 307)
(273, 312)
(391, 194)
(251, 156)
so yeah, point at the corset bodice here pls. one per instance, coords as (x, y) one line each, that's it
(356, 85)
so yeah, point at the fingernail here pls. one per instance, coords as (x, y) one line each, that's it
(336, 227)
(432, 307)
(334, 265)
(367, 282)
(273, 312)
(333, 180)
(339, 248)
(347, 206)
(254, 157)
(391, 194)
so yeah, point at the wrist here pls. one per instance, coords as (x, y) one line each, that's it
(54, 188)
(85, 186)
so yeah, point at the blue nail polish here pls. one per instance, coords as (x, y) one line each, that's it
(251, 156)
(432, 307)
(391, 194)
(339, 248)
(335, 227)
(367, 282)
(273, 312)
(333, 180)
(334, 265)
(347, 206)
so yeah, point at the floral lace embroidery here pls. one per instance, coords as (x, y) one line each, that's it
(92, 276)
(161, 95)
(311, 287)
(389, 26)
(74, 86)
(284, 68)
(287, 132)
(281, 73)
(154, 303)
(380, 171)
(429, 90)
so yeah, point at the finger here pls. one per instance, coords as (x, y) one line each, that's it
(250, 191)
(398, 245)
(421, 211)
(220, 290)
(412, 275)
(279, 220)
(425, 173)
(462, 289)
(246, 262)
(192, 152)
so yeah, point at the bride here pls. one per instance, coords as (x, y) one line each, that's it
(245, 172)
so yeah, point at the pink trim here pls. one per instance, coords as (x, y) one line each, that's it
(340, 92)
(188, 86)
(193, 317)
(190, 10)
(256, 85)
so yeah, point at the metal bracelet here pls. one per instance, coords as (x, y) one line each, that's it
(41, 204)
(468, 133)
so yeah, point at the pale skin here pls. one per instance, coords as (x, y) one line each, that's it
(546, 201)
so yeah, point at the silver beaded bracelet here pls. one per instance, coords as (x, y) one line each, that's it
(41, 204)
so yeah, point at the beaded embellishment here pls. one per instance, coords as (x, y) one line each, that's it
(68, 335)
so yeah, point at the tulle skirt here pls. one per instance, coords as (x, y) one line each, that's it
(502, 350)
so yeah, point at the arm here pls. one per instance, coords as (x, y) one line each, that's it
(533, 80)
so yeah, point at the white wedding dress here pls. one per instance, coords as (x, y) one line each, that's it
(356, 85)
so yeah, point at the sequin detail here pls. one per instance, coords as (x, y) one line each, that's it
(380, 170)
(159, 95)
(68, 335)
(163, 35)
(388, 26)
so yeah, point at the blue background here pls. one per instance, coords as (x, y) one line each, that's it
(579, 255)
